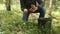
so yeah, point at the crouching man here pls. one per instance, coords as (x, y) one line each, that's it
(29, 6)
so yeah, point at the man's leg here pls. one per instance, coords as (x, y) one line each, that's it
(41, 16)
(25, 16)
(42, 12)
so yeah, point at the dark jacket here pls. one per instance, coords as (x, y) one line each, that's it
(27, 3)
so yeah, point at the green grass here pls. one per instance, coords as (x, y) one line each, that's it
(10, 23)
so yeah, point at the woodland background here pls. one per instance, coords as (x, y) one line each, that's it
(11, 15)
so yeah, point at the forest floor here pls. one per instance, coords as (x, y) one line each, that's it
(11, 23)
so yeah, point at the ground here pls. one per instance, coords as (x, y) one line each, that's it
(11, 23)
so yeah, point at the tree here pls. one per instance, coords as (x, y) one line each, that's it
(8, 5)
(1, 1)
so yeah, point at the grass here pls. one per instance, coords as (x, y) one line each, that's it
(11, 23)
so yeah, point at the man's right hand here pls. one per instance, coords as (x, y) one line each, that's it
(25, 10)
(33, 8)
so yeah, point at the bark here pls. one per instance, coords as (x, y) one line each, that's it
(8, 5)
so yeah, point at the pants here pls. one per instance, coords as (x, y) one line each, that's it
(41, 11)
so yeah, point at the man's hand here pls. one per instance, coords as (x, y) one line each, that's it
(33, 8)
(25, 10)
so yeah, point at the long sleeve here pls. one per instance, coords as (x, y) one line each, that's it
(22, 4)
(40, 2)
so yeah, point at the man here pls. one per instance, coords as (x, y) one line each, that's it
(29, 6)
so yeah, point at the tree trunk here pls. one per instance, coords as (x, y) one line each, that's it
(8, 5)
(50, 8)
(1, 1)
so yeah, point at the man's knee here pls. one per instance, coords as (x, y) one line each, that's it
(42, 12)
(43, 9)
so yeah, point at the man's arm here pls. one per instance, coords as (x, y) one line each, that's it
(40, 2)
(33, 8)
(22, 4)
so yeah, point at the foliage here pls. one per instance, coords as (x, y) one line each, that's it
(11, 23)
